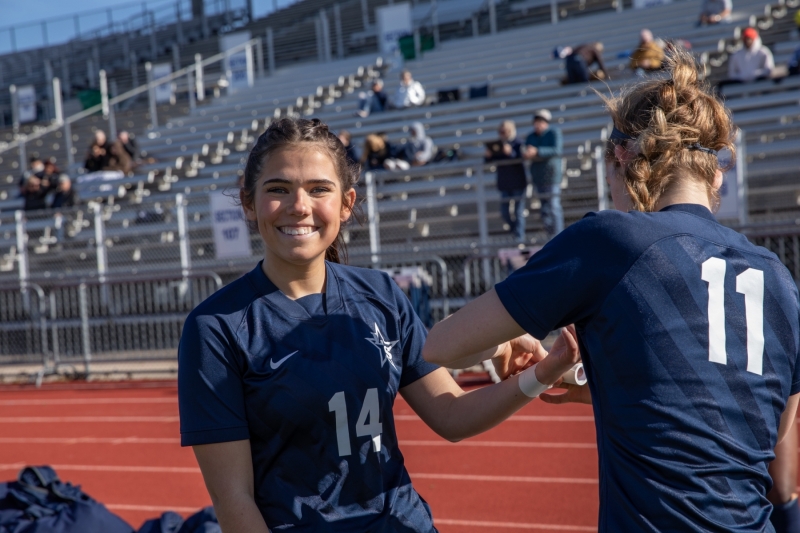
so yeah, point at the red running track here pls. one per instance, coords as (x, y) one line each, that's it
(535, 472)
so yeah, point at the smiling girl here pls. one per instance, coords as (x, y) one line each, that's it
(288, 375)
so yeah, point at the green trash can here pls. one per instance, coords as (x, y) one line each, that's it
(406, 44)
(89, 98)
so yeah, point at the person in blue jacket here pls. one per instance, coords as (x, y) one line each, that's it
(544, 148)
(689, 333)
(287, 376)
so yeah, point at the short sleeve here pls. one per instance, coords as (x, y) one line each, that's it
(567, 280)
(210, 391)
(413, 334)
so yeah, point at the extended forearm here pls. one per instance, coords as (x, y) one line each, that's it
(239, 514)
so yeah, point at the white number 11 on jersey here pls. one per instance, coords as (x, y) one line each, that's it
(750, 283)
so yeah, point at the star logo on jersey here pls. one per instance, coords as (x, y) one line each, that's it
(383, 345)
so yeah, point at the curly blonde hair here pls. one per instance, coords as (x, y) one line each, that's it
(668, 118)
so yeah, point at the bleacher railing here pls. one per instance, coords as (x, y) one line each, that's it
(195, 87)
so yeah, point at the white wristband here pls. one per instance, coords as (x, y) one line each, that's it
(529, 385)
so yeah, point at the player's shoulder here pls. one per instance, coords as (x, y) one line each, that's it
(615, 231)
(228, 303)
(367, 283)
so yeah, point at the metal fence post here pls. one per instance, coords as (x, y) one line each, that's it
(179, 23)
(100, 242)
(85, 336)
(270, 52)
(48, 74)
(741, 177)
(14, 108)
(198, 71)
(483, 224)
(554, 11)
(492, 16)
(153, 44)
(151, 94)
(600, 167)
(22, 247)
(183, 234)
(22, 150)
(176, 57)
(372, 219)
(135, 69)
(326, 34)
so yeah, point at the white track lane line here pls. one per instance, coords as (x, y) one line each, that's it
(89, 440)
(418, 475)
(510, 525)
(403, 443)
(86, 419)
(86, 401)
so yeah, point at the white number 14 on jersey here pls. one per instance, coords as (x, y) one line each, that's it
(369, 410)
(750, 283)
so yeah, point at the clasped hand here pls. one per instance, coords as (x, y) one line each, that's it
(525, 351)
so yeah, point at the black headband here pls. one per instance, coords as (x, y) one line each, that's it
(619, 137)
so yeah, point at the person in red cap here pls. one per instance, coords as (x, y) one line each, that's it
(752, 62)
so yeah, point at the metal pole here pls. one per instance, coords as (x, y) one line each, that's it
(372, 219)
(179, 23)
(259, 46)
(14, 108)
(483, 224)
(48, 75)
(85, 337)
(554, 11)
(600, 167)
(326, 34)
(112, 117)
(270, 52)
(22, 247)
(248, 52)
(741, 177)
(65, 75)
(183, 234)
(364, 14)
(104, 93)
(435, 22)
(100, 242)
(68, 143)
(13, 36)
(23, 155)
(492, 17)
(44, 32)
(151, 93)
(176, 57)
(134, 69)
(337, 23)
(198, 68)
(58, 108)
(153, 44)
(190, 88)
(620, 6)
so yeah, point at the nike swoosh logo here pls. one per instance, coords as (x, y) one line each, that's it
(273, 365)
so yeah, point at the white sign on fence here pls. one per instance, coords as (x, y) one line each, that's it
(394, 21)
(164, 92)
(231, 234)
(238, 66)
(26, 103)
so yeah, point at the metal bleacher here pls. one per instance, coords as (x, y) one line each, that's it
(433, 209)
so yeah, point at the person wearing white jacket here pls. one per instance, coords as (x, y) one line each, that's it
(752, 62)
(410, 92)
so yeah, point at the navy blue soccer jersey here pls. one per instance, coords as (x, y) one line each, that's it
(311, 384)
(690, 337)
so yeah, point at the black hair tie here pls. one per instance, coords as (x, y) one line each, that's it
(700, 148)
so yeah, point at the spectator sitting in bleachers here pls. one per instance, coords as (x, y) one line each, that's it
(419, 149)
(410, 93)
(65, 195)
(511, 179)
(376, 152)
(752, 62)
(648, 56)
(352, 153)
(34, 192)
(714, 12)
(35, 168)
(104, 155)
(580, 59)
(373, 101)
